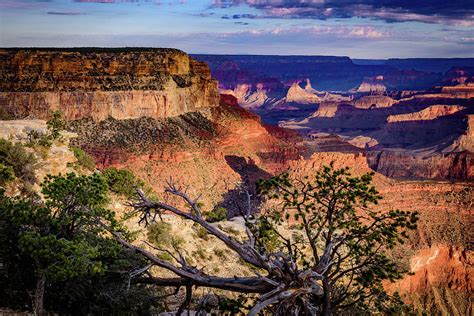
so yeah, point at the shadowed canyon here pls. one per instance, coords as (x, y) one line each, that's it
(221, 122)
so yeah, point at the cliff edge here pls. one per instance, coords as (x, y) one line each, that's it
(98, 83)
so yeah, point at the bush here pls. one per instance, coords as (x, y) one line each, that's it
(18, 159)
(36, 138)
(202, 233)
(83, 159)
(216, 215)
(220, 253)
(200, 253)
(122, 181)
(62, 246)
(6, 174)
(160, 234)
(55, 125)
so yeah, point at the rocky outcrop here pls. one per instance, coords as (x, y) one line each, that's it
(430, 113)
(101, 83)
(260, 94)
(326, 109)
(466, 140)
(465, 90)
(54, 160)
(299, 95)
(373, 102)
(441, 281)
(372, 85)
(414, 165)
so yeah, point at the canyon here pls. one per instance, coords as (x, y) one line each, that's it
(158, 113)
(413, 123)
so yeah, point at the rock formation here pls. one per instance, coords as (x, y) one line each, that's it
(101, 83)
(50, 160)
(326, 109)
(430, 113)
(299, 95)
(372, 85)
(373, 102)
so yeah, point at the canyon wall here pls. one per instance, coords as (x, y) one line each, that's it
(101, 83)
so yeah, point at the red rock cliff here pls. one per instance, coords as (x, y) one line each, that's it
(101, 83)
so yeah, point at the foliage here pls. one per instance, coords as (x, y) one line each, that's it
(6, 174)
(233, 306)
(216, 215)
(36, 138)
(201, 233)
(122, 181)
(14, 157)
(159, 233)
(219, 253)
(318, 247)
(62, 253)
(268, 239)
(83, 159)
(54, 127)
(333, 212)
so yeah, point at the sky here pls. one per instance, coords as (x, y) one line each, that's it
(375, 29)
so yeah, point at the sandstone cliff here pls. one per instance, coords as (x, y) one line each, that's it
(430, 113)
(299, 95)
(373, 102)
(101, 83)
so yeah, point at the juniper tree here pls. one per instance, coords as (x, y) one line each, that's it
(60, 249)
(335, 262)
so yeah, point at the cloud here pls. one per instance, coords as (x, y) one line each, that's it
(336, 31)
(133, 1)
(7, 4)
(453, 12)
(360, 41)
(65, 13)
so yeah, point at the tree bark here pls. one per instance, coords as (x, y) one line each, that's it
(39, 296)
(327, 309)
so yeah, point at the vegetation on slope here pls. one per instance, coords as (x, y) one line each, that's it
(71, 249)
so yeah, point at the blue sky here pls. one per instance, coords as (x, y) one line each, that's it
(359, 28)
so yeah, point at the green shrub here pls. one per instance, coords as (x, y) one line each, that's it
(269, 238)
(56, 124)
(18, 159)
(6, 174)
(159, 233)
(83, 159)
(202, 233)
(200, 252)
(122, 181)
(220, 253)
(216, 215)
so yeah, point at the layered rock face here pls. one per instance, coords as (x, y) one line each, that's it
(373, 102)
(302, 96)
(430, 113)
(102, 83)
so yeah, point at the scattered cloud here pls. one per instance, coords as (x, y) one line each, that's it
(454, 12)
(7, 4)
(338, 31)
(134, 1)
